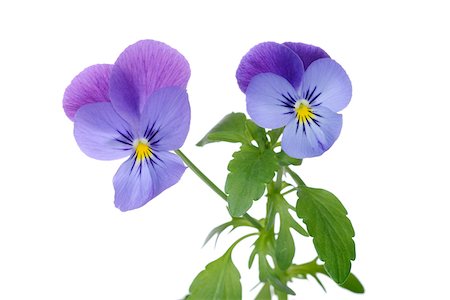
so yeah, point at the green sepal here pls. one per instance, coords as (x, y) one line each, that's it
(219, 281)
(250, 170)
(232, 128)
(332, 232)
(274, 135)
(285, 160)
(264, 293)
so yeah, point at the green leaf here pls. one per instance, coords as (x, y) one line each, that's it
(332, 232)
(219, 281)
(353, 284)
(286, 160)
(250, 170)
(232, 128)
(264, 293)
(257, 133)
(235, 222)
(274, 135)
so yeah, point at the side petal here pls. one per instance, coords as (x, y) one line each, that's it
(271, 100)
(136, 183)
(166, 118)
(101, 133)
(312, 138)
(90, 86)
(270, 57)
(141, 69)
(326, 83)
(307, 53)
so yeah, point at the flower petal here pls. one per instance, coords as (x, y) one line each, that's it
(270, 57)
(101, 133)
(326, 83)
(90, 86)
(165, 119)
(141, 69)
(137, 183)
(309, 139)
(307, 53)
(271, 100)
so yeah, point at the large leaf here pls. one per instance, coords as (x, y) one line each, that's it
(250, 170)
(219, 281)
(332, 232)
(232, 128)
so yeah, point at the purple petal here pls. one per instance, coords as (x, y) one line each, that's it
(140, 70)
(270, 57)
(90, 86)
(271, 100)
(137, 183)
(331, 85)
(165, 119)
(307, 53)
(309, 139)
(101, 133)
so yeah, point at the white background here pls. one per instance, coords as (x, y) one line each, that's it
(61, 236)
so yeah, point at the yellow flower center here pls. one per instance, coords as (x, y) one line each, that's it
(142, 149)
(303, 111)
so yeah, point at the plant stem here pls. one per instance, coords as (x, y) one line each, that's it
(211, 184)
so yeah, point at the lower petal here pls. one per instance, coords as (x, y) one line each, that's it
(136, 183)
(314, 137)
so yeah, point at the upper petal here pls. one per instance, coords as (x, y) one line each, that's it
(141, 69)
(270, 100)
(331, 85)
(101, 133)
(270, 57)
(312, 138)
(166, 118)
(136, 183)
(307, 53)
(90, 86)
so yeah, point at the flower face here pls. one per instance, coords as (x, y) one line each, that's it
(138, 108)
(297, 86)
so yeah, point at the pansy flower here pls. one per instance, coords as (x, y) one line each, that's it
(297, 86)
(137, 108)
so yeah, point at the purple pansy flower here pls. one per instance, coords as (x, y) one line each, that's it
(298, 86)
(138, 108)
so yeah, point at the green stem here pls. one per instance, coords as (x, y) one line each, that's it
(211, 184)
(294, 176)
(290, 191)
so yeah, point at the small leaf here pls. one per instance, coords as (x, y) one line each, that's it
(284, 247)
(274, 135)
(286, 160)
(250, 170)
(264, 293)
(332, 232)
(232, 128)
(235, 222)
(257, 133)
(219, 281)
(353, 284)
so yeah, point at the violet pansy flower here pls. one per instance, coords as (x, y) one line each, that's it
(136, 108)
(297, 86)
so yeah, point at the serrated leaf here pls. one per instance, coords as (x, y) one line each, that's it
(219, 281)
(264, 293)
(232, 128)
(332, 232)
(257, 133)
(250, 170)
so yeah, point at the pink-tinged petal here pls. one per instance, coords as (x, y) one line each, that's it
(326, 83)
(166, 118)
(90, 86)
(141, 69)
(270, 57)
(312, 138)
(101, 133)
(136, 183)
(307, 53)
(271, 100)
